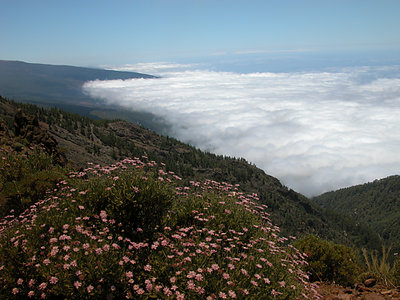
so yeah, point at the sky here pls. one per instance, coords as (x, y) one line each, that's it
(308, 90)
(98, 32)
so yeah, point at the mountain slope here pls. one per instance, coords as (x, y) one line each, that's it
(104, 142)
(376, 204)
(61, 86)
(52, 83)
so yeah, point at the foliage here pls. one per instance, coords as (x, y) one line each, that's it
(376, 204)
(328, 261)
(27, 173)
(379, 266)
(134, 199)
(208, 241)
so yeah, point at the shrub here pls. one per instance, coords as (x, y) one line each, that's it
(25, 177)
(205, 241)
(328, 261)
(138, 199)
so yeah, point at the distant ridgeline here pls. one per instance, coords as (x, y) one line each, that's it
(82, 140)
(61, 87)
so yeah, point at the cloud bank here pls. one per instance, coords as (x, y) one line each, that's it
(315, 131)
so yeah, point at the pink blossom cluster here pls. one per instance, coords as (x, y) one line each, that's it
(216, 242)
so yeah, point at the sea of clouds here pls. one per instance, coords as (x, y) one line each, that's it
(316, 131)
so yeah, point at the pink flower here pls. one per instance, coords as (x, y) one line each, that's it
(225, 276)
(31, 282)
(53, 280)
(199, 277)
(147, 268)
(31, 294)
(215, 267)
(232, 294)
(222, 295)
(282, 283)
(129, 274)
(90, 288)
(42, 286)
(167, 292)
(20, 281)
(77, 284)
(191, 285)
(15, 291)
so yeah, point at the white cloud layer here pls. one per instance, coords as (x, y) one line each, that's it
(315, 131)
(154, 68)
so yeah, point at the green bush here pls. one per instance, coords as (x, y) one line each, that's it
(26, 176)
(136, 199)
(328, 261)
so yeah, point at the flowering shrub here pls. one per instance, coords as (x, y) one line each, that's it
(130, 231)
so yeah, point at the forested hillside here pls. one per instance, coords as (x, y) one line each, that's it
(83, 140)
(376, 204)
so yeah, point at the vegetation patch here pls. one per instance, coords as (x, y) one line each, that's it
(131, 230)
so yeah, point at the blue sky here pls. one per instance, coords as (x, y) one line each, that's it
(96, 32)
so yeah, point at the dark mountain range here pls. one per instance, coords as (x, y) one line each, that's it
(84, 140)
(375, 204)
(61, 86)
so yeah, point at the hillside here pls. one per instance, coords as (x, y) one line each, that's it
(133, 231)
(83, 140)
(61, 86)
(376, 204)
